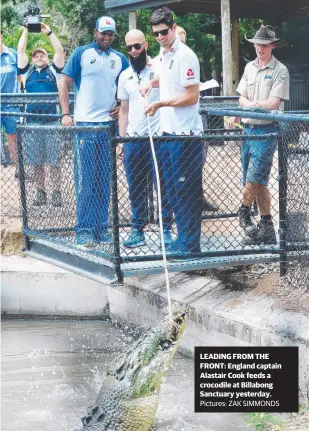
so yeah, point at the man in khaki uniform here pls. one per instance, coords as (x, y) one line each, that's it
(264, 84)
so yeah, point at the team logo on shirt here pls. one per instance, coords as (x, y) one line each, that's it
(171, 64)
(112, 64)
(93, 60)
(282, 78)
(190, 72)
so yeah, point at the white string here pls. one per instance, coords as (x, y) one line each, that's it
(169, 302)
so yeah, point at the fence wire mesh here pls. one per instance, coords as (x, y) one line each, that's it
(295, 143)
(24, 108)
(79, 188)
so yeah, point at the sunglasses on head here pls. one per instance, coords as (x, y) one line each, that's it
(136, 46)
(162, 32)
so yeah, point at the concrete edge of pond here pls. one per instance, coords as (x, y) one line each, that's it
(218, 315)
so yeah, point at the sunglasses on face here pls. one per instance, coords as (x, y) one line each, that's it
(162, 32)
(136, 46)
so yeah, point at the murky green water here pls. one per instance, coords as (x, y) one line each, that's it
(52, 370)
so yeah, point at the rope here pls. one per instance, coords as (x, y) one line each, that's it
(160, 213)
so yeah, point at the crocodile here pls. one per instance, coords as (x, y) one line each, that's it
(129, 396)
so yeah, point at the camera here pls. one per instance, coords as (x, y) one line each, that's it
(32, 18)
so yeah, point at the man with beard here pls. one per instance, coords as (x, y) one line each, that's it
(179, 81)
(137, 156)
(94, 69)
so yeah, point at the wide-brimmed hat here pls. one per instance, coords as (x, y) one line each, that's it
(265, 35)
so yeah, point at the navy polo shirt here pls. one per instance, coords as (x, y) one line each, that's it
(42, 81)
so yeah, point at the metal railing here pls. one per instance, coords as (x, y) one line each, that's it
(134, 204)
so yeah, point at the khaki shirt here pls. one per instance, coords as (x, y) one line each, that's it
(261, 84)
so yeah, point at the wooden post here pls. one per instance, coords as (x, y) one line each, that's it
(132, 20)
(227, 67)
(235, 53)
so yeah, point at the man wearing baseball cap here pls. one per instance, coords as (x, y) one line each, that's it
(94, 69)
(40, 77)
(264, 84)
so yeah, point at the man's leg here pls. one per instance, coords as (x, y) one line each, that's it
(84, 180)
(102, 185)
(167, 211)
(259, 168)
(186, 158)
(137, 168)
(13, 148)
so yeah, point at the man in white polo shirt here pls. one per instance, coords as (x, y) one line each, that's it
(138, 160)
(94, 69)
(179, 81)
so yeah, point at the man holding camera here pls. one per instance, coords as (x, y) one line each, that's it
(40, 77)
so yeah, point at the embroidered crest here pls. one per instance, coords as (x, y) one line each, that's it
(282, 78)
(112, 64)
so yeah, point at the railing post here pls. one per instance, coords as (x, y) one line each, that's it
(282, 171)
(22, 184)
(115, 210)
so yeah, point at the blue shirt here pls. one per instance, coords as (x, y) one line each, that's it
(9, 71)
(95, 74)
(41, 81)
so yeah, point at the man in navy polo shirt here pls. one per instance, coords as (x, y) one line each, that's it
(9, 84)
(40, 77)
(94, 69)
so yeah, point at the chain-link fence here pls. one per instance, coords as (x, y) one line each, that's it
(293, 191)
(93, 192)
(24, 108)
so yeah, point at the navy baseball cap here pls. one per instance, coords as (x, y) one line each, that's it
(105, 23)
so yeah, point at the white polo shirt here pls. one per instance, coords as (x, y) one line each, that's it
(179, 69)
(128, 89)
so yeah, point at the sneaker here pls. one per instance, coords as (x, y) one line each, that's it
(265, 234)
(85, 238)
(56, 198)
(246, 222)
(103, 237)
(136, 239)
(40, 199)
(167, 236)
(179, 248)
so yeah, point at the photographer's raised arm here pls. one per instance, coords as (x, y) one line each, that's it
(58, 59)
(22, 58)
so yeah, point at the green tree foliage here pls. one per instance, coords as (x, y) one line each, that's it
(74, 21)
